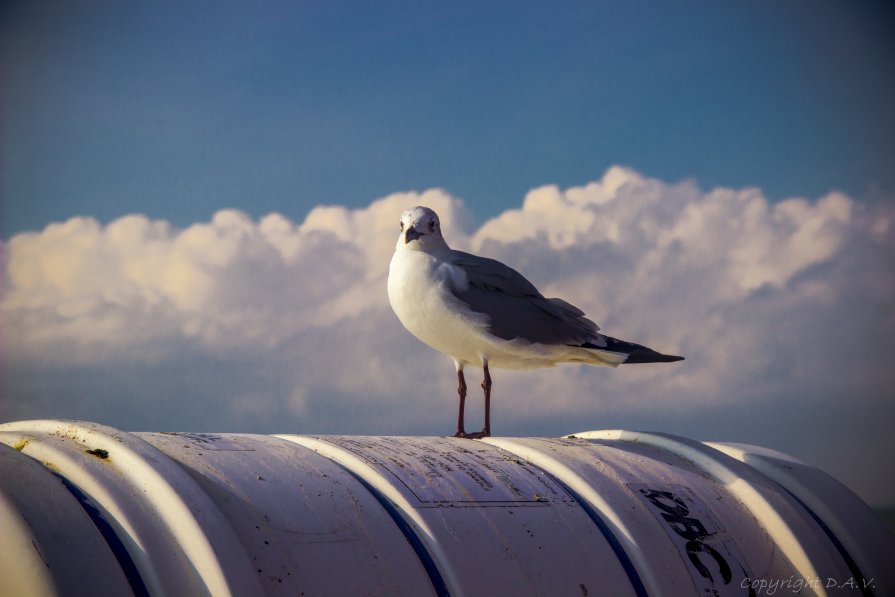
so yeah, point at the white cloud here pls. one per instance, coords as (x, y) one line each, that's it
(228, 282)
(785, 311)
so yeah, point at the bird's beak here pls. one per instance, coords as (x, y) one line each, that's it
(411, 234)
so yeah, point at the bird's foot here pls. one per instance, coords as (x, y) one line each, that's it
(476, 435)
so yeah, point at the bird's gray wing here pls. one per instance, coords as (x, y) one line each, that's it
(515, 308)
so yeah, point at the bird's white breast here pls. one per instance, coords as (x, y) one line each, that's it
(419, 290)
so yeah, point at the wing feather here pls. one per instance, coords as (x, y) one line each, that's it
(514, 306)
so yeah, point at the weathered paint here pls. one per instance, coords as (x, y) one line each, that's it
(87, 509)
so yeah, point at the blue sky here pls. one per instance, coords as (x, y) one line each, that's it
(178, 109)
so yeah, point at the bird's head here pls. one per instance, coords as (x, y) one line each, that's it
(420, 230)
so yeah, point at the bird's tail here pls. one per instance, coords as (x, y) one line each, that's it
(632, 353)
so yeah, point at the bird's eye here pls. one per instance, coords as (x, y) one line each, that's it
(432, 226)
(401, 225)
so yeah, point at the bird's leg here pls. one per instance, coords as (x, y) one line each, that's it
(486, 386)
(461, 391)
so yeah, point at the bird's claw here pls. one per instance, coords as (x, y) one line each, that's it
(476, 435)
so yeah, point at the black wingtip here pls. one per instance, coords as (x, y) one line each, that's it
(651, 356)
(637, 353)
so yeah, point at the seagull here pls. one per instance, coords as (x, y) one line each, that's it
(481, 312)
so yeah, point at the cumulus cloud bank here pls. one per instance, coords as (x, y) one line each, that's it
(227, 283)
(784, 311)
